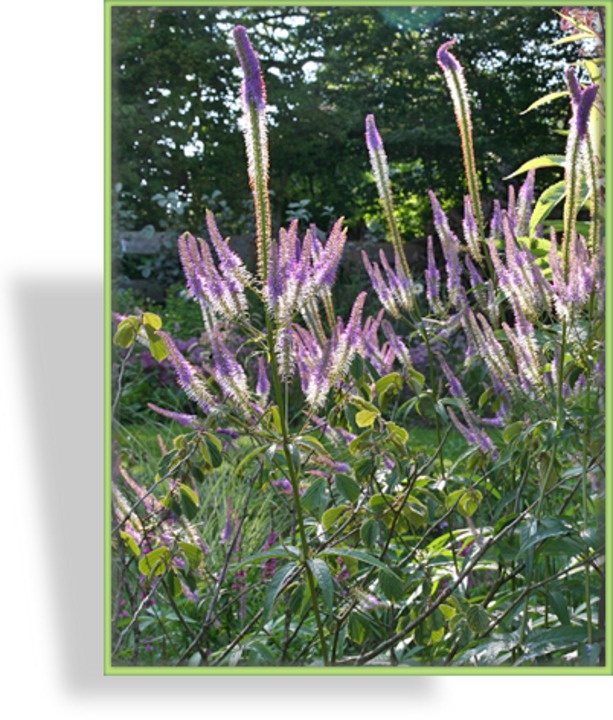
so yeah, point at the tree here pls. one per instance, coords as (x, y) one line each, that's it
(177, 146)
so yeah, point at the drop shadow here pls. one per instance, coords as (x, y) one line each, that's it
(61, 348)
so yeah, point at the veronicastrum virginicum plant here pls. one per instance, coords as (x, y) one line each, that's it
(380, 550)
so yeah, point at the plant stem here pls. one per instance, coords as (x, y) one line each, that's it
(293, 476)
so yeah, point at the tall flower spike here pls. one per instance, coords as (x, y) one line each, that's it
(454, 75)
(187, 376)
(578, 155)
(228, 373)
(378, 162)
(256, 142)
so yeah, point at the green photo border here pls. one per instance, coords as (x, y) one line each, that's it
(109, 669)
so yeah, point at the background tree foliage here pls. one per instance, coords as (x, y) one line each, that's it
(178, 148)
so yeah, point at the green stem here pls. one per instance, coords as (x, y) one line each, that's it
(293, 476)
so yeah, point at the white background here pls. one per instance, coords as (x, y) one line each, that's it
(51, 458)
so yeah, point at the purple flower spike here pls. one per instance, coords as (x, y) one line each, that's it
(181, 418)
(254, 90)
(574, 86)
(445, 59)
(583, 109)
(581, 101)
(373, 139)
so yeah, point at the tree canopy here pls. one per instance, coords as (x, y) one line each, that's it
(177, 145)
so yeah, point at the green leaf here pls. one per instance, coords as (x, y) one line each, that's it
(365, 418)
(314, 499)
(363, 468)
(311, 443)
(381, 501)
(130, 542)
(469, 502)
(193, 553)
(370, 532)
(391, 585)
(535, 532)
(126, 332)
(157, 347)
(332, 515)
(347, 487)
(546, 203)
(544, 100)
(276, 585)
(512, 431)
(416, 380)
(189, 501)
(321, 571)
(539, 162)
(360, 442)
(392, 382)
(153, 320)
(214, 449)
(559, 606)
(485, 396)
(577, 37)
(244, 463)
(398, 433)
(289, 552)
(356, 555)
(477, 619)
(155, 563)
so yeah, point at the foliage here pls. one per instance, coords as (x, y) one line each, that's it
(175, 118)
(420, 486)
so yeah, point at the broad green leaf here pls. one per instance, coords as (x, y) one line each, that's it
(321, 571)
(512, 431)
(539, 162)
(546, 203)
(276, 585)
(477, 619)
(548, 527)
(559, 606)
(244, 463)
(189, 501)
(126, 332)
(311, 443)
(289, 552)
(153, 320)
(314, 499)
(155, 563)
(544, 100)
(190, 493)
(391, 585)
(485, 396)
(332, 515)
(416, 380)
(359, 402)
(469, 502)
(360, 442)
(393, 381)
(398, 433)
(363, 468)
(214, 449)
(370, 532)
(193, 553)
(379, 501)
(357, 555)
(130, 542)
(365, 418)
(157, 347)
(347, 487)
